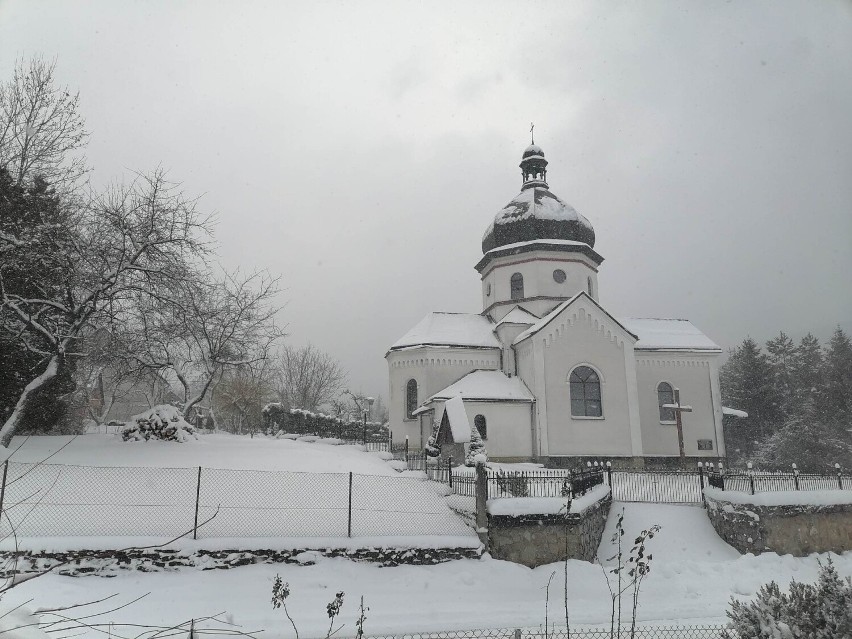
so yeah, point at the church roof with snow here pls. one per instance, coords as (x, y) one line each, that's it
(519, 315)
(487, 386)
(450, 329)
(668, 335)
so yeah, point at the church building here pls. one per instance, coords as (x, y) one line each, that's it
(545, 372)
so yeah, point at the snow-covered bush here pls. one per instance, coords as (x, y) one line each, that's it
(816, 611)
(476, 453)
(161, 422)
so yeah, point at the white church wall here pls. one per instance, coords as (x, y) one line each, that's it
(537, 269)
(584, 335)
(433, 368)
(693, 375)
(508, 427)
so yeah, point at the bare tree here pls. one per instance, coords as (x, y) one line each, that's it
(241, 394)
(212, 326)
(41, 129)
(308, 378)
(140, 240)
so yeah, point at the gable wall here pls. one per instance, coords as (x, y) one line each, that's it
(694, 375)
(584, 335)
(434, 369)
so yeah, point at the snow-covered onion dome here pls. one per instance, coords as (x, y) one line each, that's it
(536, 213)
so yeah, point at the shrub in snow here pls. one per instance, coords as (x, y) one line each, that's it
(161, 422)
(816, 611)
(432, 449)
(476, 452)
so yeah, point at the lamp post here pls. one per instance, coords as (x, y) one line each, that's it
(365, 412)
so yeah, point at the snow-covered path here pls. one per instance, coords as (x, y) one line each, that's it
(693, 576)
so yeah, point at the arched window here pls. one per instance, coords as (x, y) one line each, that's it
(665, 395)
(479, 422)
(590, 287)
(585, 392)
(517, 284)
(410, 398)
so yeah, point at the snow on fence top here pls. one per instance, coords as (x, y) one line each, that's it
(450, 329)
(733, 412)
(547, 505)
(782, 497)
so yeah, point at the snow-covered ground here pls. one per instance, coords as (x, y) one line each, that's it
(209, 451)
(693, 576)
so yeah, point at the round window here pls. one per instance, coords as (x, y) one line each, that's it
(559, 276)
(488, 289)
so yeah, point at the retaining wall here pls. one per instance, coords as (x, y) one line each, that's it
(534, 540)
(796, 529)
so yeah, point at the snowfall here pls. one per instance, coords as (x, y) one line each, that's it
(694, 572)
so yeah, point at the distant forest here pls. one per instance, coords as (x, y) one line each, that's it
(799, 403)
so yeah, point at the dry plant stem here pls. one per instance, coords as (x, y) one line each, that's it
(547, 603)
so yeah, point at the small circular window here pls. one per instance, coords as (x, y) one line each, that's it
(488, 289)
(559, 276)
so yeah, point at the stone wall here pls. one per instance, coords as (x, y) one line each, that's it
(534, 540)
(797, 530)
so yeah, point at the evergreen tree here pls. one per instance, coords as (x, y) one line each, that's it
(807, 372)
(805, 440)
(747, 382)
(837, 404)
(782, 355)
(31, 212)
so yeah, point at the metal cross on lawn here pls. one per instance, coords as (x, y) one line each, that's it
(678, 409)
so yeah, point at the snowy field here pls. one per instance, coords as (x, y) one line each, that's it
(694, 574)
(96, 491)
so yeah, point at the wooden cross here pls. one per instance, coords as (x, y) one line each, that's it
(678, 409)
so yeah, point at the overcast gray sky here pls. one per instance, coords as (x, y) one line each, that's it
(361, 149)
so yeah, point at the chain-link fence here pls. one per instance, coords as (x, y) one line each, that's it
(599, 632)
(52, 500)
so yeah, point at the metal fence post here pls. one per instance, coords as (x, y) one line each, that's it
(795, 476)
(609, 475)
(197, 498)
(406, 449)
(517, 633)
(750, 478)
(450, 470)
(349, 528)
(701, 476)
(3, 488)
(836, 465)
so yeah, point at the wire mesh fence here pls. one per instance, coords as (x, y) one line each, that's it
(640, 632)
(53, 500)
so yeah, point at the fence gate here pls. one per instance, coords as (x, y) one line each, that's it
(665, 486)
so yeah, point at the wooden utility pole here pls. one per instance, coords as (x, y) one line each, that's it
(678, 409)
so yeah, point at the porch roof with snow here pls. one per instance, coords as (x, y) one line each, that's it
(486, 386)
(450, 329)
(669, 335)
